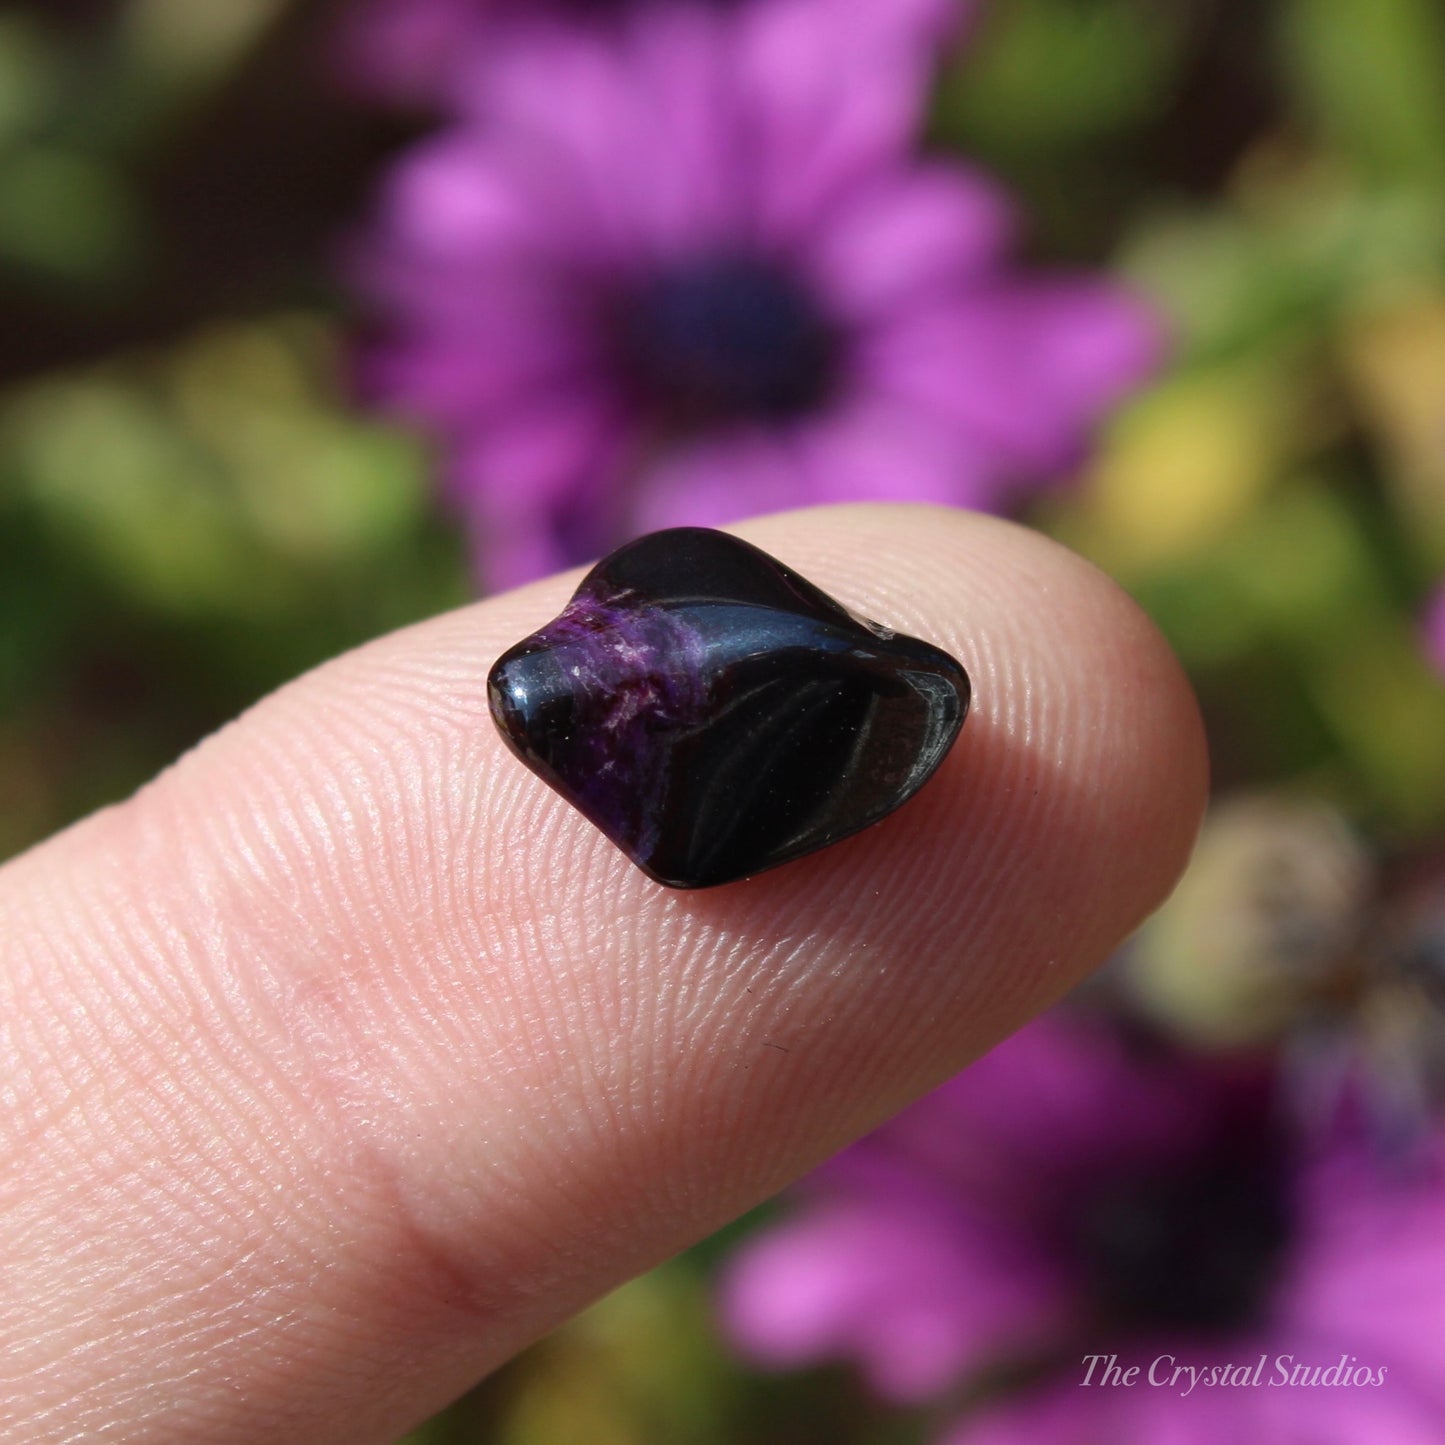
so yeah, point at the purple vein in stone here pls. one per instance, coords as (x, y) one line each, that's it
(636, 672)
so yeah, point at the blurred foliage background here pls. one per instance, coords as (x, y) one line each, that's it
(191, 510)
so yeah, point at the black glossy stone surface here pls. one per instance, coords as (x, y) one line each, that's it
(715, 714)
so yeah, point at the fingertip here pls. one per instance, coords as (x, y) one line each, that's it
(463, 1049)
(1071, 800)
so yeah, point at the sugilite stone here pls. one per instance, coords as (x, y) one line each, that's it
(715, 714)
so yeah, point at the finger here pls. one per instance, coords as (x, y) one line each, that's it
(348, 1058)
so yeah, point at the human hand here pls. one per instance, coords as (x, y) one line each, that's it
(345, 1059)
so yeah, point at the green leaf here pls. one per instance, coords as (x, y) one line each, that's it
(68, 216)
(1371, 73)
(1054, 74)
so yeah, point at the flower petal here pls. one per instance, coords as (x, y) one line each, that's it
(461, 199)
(1025, 369)
(400, 50)
(1070, 1412)
(1387, 1414)
(719, 480)
(908, 234)
(1370, 1268)
(827, 104)
(872, 451)
(534, 457)
(1062, 1101)
(914, 1295)
(1433, 631)
(643, 137)
(458, 383)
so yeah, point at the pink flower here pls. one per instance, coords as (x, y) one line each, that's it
(691, 271)
(1433, 630)
(1070, 1197)
(427, 51)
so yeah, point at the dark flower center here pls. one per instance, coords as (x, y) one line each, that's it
(1195, 1249)
(726, 339)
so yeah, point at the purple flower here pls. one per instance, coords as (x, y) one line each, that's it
(692, 271)
(402, 50)
(430, 51)
(1433, 630)
(1071, 1197)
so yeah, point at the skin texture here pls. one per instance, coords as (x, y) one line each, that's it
(346, 1059)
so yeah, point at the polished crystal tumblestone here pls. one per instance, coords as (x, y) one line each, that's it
(715, 714)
